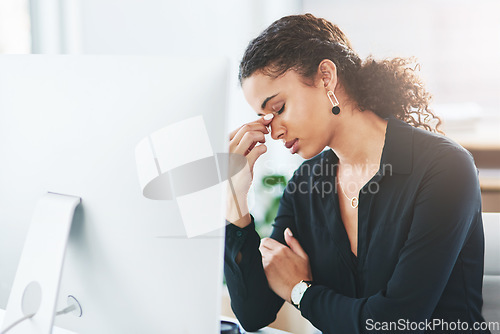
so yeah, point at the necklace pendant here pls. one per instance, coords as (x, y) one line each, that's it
(354, 202)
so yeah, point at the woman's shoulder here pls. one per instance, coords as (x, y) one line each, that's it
(436, 154)
(438, 146)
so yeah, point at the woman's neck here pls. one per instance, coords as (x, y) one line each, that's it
(359, 139)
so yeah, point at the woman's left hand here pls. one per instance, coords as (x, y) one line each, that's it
(284, 266)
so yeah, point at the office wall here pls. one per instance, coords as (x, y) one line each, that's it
(164, 27)
(177, 28)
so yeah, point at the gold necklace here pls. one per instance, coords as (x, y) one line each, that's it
(354, 201)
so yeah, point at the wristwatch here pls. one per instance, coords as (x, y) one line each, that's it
(298, 291)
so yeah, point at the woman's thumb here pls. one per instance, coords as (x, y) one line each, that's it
(294, 244)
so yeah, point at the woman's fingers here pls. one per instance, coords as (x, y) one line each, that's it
(248, 142)
(266, 248)
(247, 128)
(255, 153)
(270, 246)
(260, 123)
(233, 133)
(294, 244)
(238, 137)
(244, 141)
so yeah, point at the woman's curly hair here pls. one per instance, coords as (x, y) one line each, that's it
(301, 42)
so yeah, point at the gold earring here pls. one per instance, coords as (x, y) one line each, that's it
(334, 101)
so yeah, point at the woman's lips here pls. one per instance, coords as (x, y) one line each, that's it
(293, 144)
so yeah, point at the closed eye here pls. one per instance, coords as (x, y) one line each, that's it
(281, 110)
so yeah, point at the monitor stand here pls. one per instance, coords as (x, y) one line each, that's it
(38, 275)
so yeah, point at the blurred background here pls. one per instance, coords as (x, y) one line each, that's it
(457, 43)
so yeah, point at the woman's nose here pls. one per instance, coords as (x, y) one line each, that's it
(276, 131)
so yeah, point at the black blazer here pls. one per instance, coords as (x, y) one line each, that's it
(420, 243)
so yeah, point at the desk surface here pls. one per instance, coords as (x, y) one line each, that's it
(266, 330)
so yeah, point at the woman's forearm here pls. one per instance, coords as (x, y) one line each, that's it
(252, 301)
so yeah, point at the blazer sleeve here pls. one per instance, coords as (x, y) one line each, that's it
(446, 210)
(252, 301)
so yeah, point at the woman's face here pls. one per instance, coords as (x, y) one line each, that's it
(302, 114)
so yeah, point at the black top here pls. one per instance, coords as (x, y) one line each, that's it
(420, 243)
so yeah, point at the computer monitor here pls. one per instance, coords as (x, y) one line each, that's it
(70, 125)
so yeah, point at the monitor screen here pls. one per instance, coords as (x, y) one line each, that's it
(70, 125)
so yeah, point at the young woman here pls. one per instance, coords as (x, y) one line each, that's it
(382, 232)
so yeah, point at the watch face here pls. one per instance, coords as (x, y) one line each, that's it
(297, 292)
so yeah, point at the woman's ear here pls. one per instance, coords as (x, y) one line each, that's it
(327, 72)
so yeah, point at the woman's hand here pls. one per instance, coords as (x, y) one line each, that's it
(243, 141)
(284, 266)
